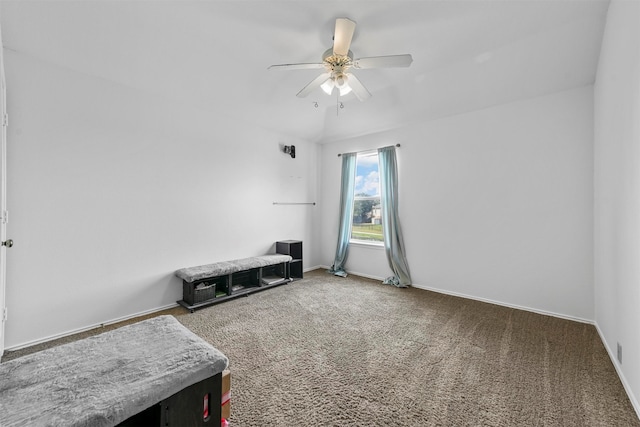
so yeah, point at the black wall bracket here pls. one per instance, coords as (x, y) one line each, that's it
(290, 150)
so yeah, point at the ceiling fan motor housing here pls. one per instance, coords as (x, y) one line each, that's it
(337, 65)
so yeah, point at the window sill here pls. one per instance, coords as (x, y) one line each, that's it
(366, 244)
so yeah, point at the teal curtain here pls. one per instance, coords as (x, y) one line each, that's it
(346, 213)
(393, 241)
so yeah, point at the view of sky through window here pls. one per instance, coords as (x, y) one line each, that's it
(367, 178)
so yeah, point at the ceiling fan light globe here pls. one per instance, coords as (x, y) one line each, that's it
(345, 90)
(341, 81)
(328, 86)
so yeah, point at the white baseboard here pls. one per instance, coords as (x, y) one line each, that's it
(99, 325)
(366, 276)
(88, 328)
(616, 365)
(355, 273)
(457, 294)
(504, 304)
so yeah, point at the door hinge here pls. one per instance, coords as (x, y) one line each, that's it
(5, 217)
(5, 314)
(5, 120)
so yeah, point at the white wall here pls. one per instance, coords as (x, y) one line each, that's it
(495, 204)
(110, 190)
(617, 191)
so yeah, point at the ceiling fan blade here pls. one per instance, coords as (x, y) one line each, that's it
(301, 66)
(383, 61)
(315, 83)
(343, 35)
(358, 88)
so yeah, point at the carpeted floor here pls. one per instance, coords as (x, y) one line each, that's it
(328, 351)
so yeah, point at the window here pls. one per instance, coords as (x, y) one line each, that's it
(367, 221)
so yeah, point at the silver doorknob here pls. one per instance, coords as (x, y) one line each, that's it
(8, 243)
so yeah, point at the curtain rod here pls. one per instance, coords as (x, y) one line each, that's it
(295, 203)
(368, 151)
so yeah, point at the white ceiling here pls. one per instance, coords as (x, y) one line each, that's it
(214, 55)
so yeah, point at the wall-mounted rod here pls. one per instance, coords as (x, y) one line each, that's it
(366, 151)
(294, 203)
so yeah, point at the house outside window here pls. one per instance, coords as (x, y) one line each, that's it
(366, 225)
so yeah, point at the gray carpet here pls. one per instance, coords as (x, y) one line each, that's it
(328, 351)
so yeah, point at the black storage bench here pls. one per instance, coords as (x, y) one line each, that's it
(213, 283)
(151, 373)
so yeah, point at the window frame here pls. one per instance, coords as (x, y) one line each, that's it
(378, 198)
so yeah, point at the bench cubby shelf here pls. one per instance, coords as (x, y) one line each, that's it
(294, 249)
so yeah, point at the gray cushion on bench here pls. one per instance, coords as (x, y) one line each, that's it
(107, 378)
(191, 274)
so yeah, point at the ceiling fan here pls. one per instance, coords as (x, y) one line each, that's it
(338, 61)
